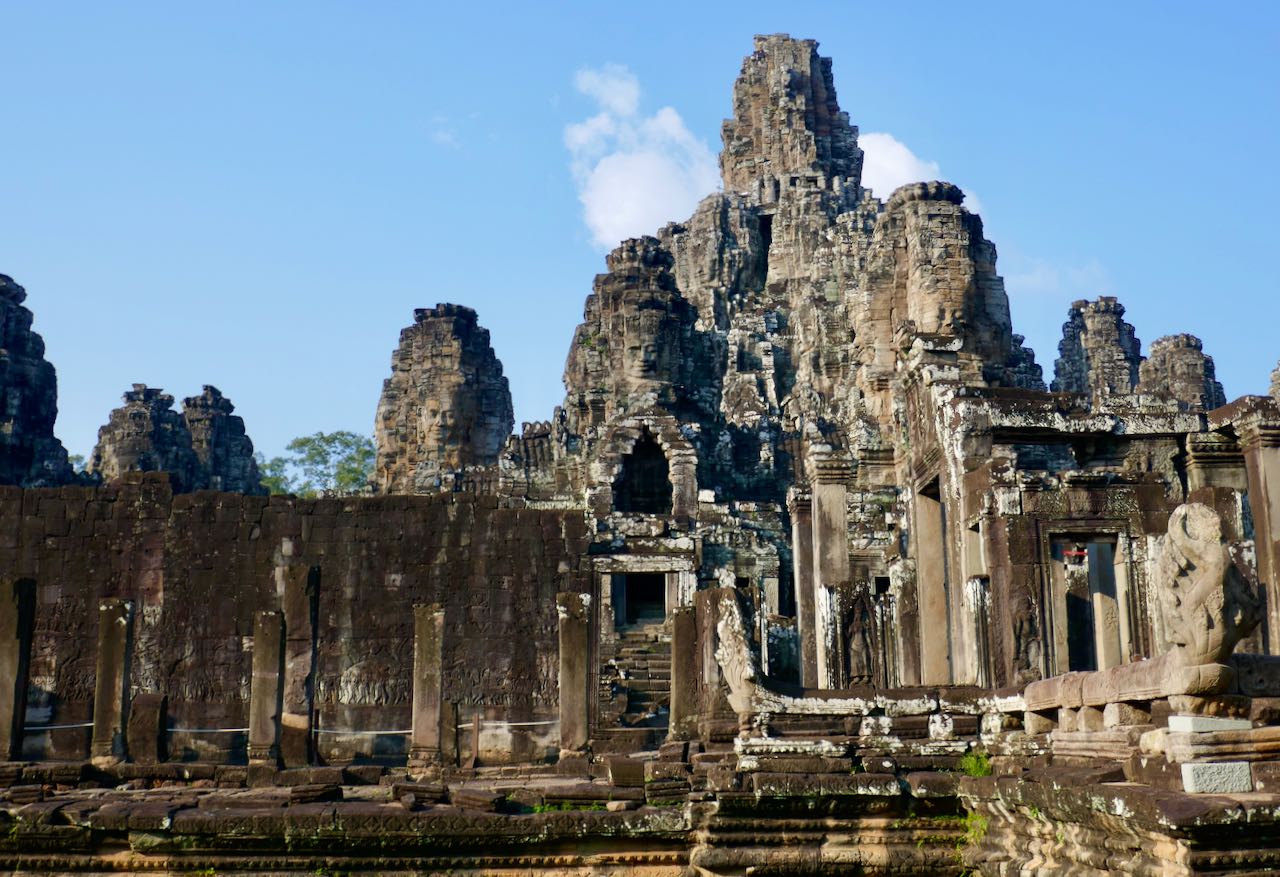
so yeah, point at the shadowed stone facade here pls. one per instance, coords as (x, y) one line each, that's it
(222, 448)
(1099, 352)
(30, 455)
(146, 435)
(202, 448)
(808, 540)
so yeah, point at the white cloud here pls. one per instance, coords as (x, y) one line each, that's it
(613, 86)
(634, 173)
(889, 163)
(443, 133)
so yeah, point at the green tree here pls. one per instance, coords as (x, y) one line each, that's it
(337, 463)
(275, 474)
(77, 462)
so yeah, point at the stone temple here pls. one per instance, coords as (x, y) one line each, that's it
(812, 572)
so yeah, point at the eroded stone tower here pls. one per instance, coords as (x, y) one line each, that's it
(446, 406)
(30, 455)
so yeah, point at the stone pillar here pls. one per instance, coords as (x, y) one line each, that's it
(115, 619)
(683, 719)
(265, 689)
(301, 610)
(148, 728)
(17, 619)
(830, 557)
(1259, 434)
(428, 679)
(575, 655)
(801, 507)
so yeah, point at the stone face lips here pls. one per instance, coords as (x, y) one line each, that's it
(786, 121)
(1099, 352)
(203, 448)
(29, 453)
(446, 405)
(218, 438)
(1177, 368)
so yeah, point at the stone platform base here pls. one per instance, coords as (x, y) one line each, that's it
(1066, 821)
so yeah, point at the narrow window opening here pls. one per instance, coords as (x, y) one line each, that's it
(766, 240)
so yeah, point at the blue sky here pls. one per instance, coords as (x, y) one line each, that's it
(256, 196)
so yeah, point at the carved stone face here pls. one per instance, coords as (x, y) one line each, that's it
(650, 353)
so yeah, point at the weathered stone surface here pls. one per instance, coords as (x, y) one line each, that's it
(224, 451)
(146, 435)
(445, 407)
(1099, 352)
(786, 121)
(1224, 777)
(30, 455)
(1177, 368)
(203, 448)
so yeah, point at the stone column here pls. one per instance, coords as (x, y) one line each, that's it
(148, 728)
(575, 655)
(801, 507)
(683, 719)
(17, 618)
(301, 608)
(830, 557)
(264, 688)
(1259, 433)
(428, 679)
(115, 619)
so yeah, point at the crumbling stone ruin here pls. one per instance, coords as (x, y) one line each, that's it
(30, 455)
(809, 573)
(446, 405)
(223, 450)
(202, 448)
(1099, 352)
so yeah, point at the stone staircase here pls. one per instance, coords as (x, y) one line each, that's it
(635, 691)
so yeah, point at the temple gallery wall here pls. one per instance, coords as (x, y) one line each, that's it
(812, 569)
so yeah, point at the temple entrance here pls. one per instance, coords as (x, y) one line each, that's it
(644, 483)
(640, 598)
(1085, 580)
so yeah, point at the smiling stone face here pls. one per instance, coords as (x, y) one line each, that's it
(446, 405)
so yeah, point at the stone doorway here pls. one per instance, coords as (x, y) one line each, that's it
(640, 598)
(1089, 593)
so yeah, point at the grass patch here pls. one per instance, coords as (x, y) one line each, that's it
(975, 764)
(568, 805)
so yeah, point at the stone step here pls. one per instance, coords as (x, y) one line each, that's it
(649, 684)
(631, 680)
(626, 740)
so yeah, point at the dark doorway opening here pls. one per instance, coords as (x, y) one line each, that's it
(644, 484)
(644, 598)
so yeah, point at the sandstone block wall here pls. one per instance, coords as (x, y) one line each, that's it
(198, 566)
